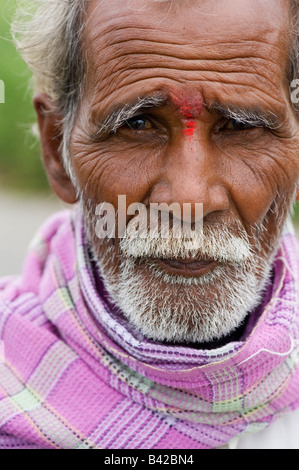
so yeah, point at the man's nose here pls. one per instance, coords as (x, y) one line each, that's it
(192, 173)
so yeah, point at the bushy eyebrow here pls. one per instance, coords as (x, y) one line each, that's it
(122, 113)
(243, 115)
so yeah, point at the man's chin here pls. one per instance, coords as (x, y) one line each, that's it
(171, 307)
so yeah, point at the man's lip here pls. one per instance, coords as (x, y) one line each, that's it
(187, 267)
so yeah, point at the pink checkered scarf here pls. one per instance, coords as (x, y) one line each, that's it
(75, 375)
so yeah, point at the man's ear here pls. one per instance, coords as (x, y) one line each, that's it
(51, 137)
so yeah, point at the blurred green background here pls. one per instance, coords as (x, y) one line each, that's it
(20, 163)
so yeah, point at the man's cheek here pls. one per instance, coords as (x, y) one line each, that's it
(88, 171)
(280, 165)
(104, 172)
(254, 182)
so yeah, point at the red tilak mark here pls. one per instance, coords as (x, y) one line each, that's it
(189, 107)
(186, 112)
(190, 127)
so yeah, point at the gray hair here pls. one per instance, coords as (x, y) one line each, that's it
(48, 35)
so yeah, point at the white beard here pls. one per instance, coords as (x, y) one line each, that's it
(166, 309)
(175, 308)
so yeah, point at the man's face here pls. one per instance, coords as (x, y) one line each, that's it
(222, 133)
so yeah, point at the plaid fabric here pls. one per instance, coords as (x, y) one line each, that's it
(77, 376)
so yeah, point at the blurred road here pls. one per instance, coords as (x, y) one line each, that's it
(20, 217)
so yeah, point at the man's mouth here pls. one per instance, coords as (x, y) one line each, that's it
(187, 267)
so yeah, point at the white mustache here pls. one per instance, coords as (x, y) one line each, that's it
(213, 242)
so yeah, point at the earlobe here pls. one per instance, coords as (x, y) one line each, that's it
(49, 122)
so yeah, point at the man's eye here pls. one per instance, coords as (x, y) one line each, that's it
(139, 123)
(233, 125)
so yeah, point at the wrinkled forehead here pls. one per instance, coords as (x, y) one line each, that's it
(123, 38)
(209, 20)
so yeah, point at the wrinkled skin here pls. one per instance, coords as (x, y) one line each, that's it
(234, 53)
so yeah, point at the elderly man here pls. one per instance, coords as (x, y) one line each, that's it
(184, 341)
